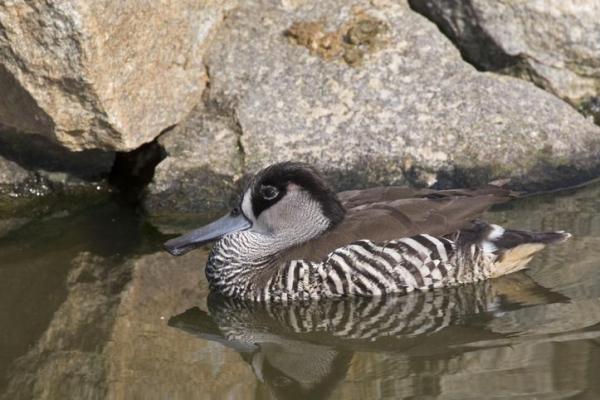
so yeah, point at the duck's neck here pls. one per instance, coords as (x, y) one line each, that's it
(243, 261)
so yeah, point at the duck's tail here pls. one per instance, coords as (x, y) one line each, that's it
(513, 249)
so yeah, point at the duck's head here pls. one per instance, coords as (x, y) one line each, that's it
(289, 203)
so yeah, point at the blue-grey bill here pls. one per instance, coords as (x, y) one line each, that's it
(208, 233)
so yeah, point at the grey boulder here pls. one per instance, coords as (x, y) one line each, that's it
(555, 44)
(372, 93)
(102, 74)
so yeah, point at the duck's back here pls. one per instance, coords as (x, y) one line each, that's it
(384, 214)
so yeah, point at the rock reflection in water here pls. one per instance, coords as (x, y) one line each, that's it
(305, 350)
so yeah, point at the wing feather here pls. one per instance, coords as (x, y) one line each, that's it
(382, 214)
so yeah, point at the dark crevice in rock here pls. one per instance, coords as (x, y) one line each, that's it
(227, 111)
(591, 108)
(240, 143)
(480, 50)
(217, 105)
(210, 104)
(483, 53)
(134, 170)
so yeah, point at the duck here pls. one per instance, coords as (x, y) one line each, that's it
(291, 237)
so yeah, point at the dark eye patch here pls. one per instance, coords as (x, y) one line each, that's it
(302, 175)
(268, 192)
(264, 196)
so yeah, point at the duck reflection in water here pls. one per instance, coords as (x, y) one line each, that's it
(303, 350)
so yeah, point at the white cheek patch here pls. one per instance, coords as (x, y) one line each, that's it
(247, 206)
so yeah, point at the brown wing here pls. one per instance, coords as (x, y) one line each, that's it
(355, 198)
(377, 216)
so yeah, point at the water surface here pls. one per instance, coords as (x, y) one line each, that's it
(90, 307)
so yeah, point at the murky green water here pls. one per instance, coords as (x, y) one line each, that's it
(90, 307)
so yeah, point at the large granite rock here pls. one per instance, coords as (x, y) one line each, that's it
(556, 44)
(102, 74)
(370, 92)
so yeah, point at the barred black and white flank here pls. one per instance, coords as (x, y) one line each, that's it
(292, 238)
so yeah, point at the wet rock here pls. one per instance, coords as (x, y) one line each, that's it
(554, 44)
(102, 74)
(392, 103)
(35, 169)
(11, 174)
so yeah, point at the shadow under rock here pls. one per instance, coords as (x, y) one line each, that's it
(35, 152)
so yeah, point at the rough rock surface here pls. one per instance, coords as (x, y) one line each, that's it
(202, 162)
(373, 94)
(102, 74)
(556, 43)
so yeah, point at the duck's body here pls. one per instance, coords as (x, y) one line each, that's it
(293, 238)
(363, 268)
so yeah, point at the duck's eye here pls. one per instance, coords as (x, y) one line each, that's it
(269, 192)
(235, 211)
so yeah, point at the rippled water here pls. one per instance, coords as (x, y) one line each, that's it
(91, 308)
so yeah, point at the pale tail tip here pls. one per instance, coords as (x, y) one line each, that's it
(565, 235)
